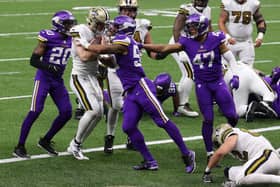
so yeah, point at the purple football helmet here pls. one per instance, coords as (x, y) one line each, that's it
(124, 25)
(162, 82)
(62, 21)
(198, 22)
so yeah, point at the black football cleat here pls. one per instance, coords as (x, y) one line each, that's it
(20, 152)
(47, 146)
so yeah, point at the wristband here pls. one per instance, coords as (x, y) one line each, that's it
(260, 36)
(207, 170)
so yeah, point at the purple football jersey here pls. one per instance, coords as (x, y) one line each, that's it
(205, 57)
(171, 91)
(130, 69)
(58, 48)
(276, 88)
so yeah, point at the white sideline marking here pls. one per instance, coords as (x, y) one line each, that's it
(9, 73)
(122, 146)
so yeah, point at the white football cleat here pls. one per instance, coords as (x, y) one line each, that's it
(76, 151)
(189, 113)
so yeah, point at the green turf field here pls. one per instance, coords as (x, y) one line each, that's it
(20, 22)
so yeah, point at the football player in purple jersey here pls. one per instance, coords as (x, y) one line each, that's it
(50, 57)
(139, 94)
(273, 81)
(205, 50)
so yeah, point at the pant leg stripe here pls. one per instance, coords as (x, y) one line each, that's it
(189, 70)
(152, 98)
(34, 95)
(258, 162)
(82, 93)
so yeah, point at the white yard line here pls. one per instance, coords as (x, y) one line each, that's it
(154, 27)
(9, 73)
(122, 146)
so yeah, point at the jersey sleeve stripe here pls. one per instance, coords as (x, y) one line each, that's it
(121, 43)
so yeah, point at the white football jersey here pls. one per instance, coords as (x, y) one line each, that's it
(82, 31)
(188, 9)
(249, 144)
(240, 24)
(142, 28)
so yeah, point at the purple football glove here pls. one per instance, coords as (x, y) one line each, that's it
(234, 82)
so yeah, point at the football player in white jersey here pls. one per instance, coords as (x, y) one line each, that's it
(83, 79)
(236, 20)
(262, 162)
(250, 82)
(141, 35)
(186, 81)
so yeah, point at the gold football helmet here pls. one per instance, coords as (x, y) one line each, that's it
(128, 3)
(220, 133)
(97, 15)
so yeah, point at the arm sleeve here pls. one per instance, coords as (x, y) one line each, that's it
(37, 63)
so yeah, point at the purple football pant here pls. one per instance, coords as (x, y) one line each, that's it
(141, 99)
(207, 93)
(59, 95)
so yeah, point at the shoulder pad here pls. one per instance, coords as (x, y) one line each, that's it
(184, 9)
(121, 40)
(45, 35)
(144, 23)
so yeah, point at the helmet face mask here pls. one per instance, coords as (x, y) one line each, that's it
(124, 25)
(62, 21)
(200, 4)
(240, 1)
(196, 25)
(97, 18)
(218, 133)
(128, 8)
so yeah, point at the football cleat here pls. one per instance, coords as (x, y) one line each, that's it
(109, 141)
(249, 115)
(189, 161)
(270, 112)
(20, 152)
(147, 165)
(47, 146)
(75, 149)
(187, 110)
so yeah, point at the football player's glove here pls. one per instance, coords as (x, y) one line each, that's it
(234, 82)
(207, 177)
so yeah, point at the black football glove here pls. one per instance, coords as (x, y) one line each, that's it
(207, 177)
(54, 69)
